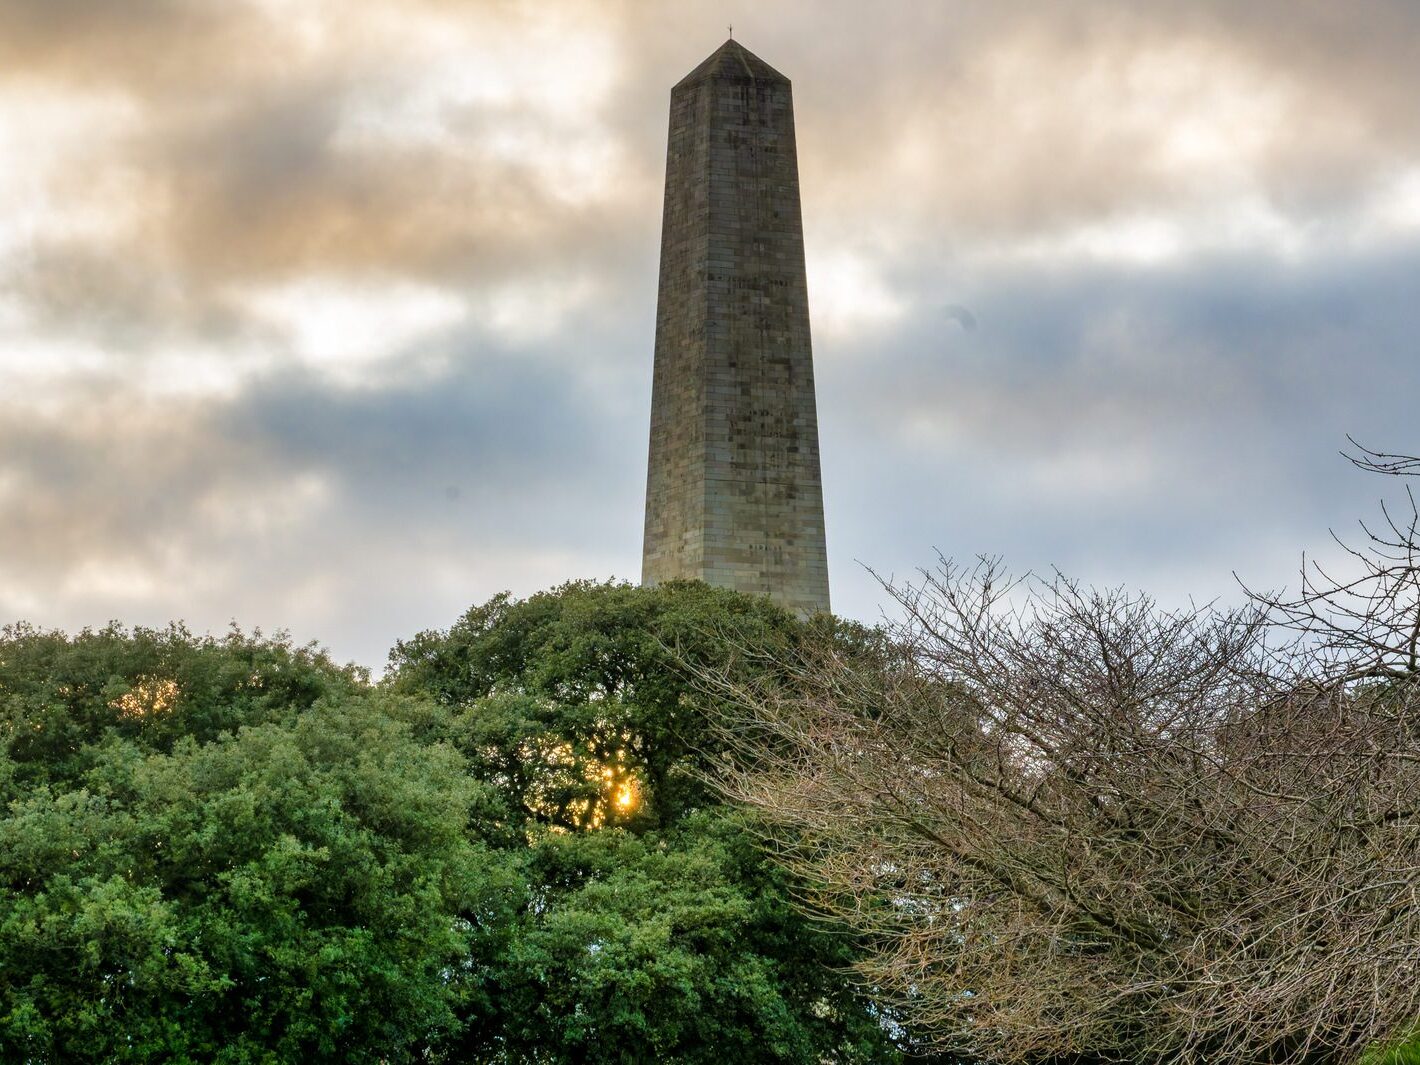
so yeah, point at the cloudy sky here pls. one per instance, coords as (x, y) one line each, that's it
(338, 317)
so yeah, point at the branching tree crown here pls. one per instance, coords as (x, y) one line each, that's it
(1078, 827)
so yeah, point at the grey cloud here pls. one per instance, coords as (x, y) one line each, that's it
(1010, 151)
(293, 501)
(1139, 424)
(238, 148)
(241, 175)
(509, 428)
(157, 49)
(128, 300)
(263, 190)
(1124, 424)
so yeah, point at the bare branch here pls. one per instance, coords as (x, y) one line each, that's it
(1072, 823)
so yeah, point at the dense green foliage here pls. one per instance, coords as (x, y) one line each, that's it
(576, 679)
(226, 851)
(658, 930)
(234, 850)
(1407, 1053)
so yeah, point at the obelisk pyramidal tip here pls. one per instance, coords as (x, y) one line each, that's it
(733, 493)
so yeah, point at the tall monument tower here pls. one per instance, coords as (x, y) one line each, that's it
(733, 494)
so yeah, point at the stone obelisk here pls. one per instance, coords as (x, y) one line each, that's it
(733, 494)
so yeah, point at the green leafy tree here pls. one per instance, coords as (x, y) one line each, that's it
(675, 945)
(656, 929)
(235, 850)
(232, 851)
(589, 676)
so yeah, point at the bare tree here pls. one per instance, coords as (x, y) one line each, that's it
(1364, 625)
(1074, 826)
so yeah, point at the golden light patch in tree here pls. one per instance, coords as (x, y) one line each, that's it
(148, 696)
(627, 796)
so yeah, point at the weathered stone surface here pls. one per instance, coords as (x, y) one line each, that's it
(733, 493)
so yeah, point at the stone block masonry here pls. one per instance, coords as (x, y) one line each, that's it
(733, 492)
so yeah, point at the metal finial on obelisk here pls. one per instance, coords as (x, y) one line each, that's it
(733, 492)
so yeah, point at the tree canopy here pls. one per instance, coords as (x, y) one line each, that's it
(228, 851)
(1085, 830)
(1074, 826)
(509, 850)
(659, 930)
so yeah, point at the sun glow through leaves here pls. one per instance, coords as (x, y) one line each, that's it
(148, 697)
